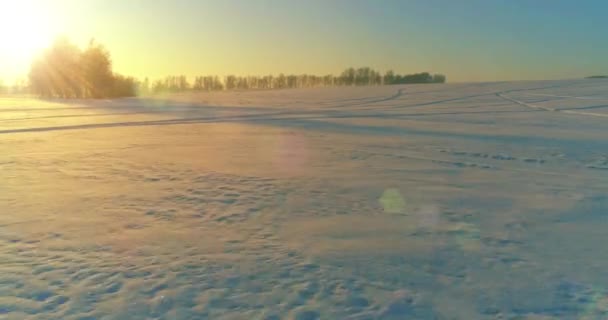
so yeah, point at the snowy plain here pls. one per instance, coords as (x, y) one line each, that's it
(447, 201)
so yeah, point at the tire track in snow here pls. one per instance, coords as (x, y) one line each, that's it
(525, 104)
(570, 97)
(395, 96)
(277, 116)
(593, 114)
(398, 94)
(80, 116)
(424, 104)
(123, 124)
(356, 101)
(568, 111)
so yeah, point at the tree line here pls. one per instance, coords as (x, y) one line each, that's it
(66, 71)
(350, 77)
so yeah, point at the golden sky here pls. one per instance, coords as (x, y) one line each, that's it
(473, 40)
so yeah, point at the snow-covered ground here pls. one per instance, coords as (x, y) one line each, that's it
(456, 201)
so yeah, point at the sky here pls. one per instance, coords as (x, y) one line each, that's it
(467, 40)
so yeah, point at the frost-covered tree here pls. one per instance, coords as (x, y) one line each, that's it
(65, 71)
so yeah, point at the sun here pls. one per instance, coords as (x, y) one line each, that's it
(25, 29)
(24, 26)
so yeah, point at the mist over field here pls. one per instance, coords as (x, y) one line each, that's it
(434, 201)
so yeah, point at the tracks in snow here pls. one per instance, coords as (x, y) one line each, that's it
(536, 107)
(334, 111)
(525, 104)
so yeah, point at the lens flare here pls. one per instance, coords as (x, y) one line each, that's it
(392, 201)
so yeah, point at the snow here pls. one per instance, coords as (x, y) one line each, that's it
(446, 201)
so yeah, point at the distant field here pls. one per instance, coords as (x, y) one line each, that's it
(435, 201)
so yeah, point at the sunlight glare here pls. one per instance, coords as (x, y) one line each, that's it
(25, 28)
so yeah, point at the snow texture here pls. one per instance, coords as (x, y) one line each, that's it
(447, 201)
